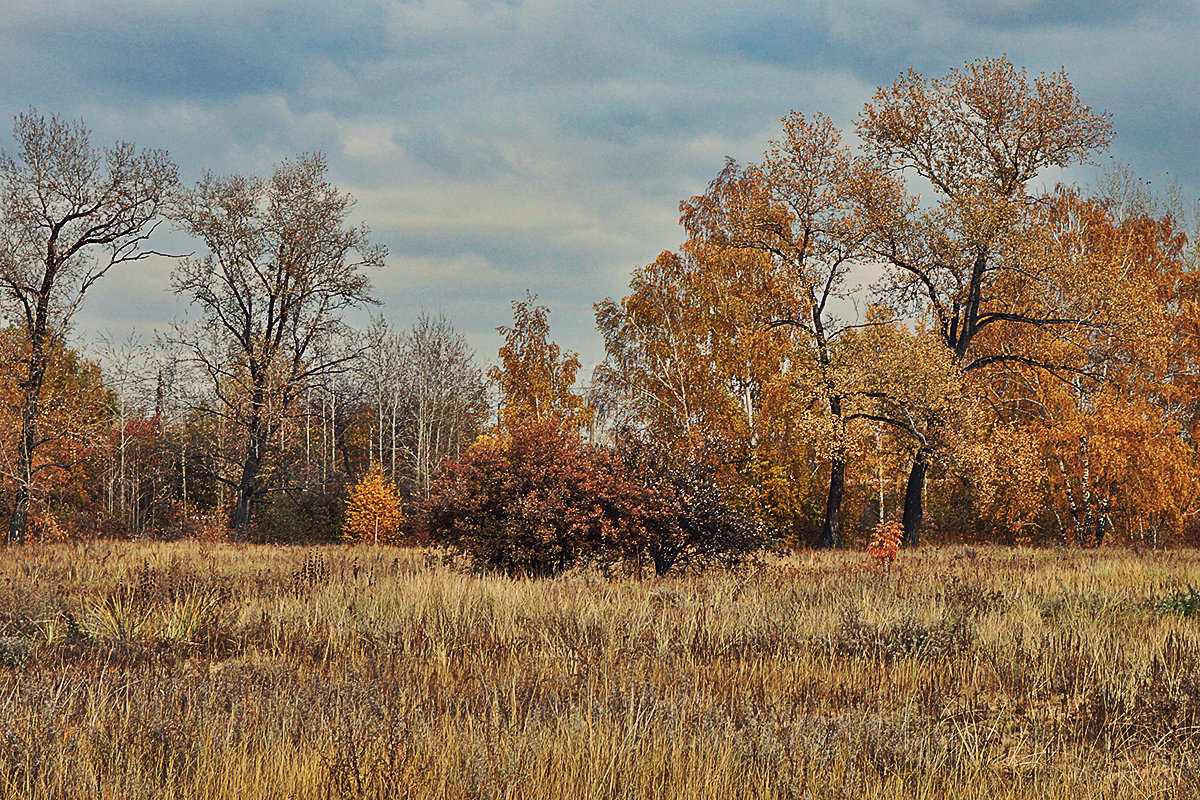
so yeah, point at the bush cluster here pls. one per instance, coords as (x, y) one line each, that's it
(536, 500)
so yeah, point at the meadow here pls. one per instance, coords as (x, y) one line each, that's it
(190, 670)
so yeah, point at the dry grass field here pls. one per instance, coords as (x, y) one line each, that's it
(205, 671)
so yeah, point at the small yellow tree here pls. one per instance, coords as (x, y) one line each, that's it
(373, 509)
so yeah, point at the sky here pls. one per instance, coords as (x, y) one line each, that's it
(542, 145)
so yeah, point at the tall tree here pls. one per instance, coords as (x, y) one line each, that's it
(796, 209)
(69, 212)
(1111, 421)
(977, 137)
(535, 377)
(280, 270)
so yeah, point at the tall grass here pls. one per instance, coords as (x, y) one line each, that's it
(198, 671)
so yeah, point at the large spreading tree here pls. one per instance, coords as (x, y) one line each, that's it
(967, 254)
(280, 270)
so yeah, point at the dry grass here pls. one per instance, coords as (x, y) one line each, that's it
(181, 670)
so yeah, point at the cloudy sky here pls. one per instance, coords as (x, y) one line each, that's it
(543, 145)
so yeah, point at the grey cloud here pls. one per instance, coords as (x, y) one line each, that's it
(454, 154)
(1013, 14)
(498, 146)
(197, 50)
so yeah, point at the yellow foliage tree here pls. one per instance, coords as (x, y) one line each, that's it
(373, 509)
(536, 376)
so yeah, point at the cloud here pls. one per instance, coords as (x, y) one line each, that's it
(498, 146)
(187, 50)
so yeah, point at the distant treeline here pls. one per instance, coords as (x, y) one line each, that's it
(900, 331)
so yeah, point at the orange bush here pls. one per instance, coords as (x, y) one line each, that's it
(885, 541)
(373, 509)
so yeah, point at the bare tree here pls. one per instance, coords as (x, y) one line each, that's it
(444, 394)
(429, 398)
(281, 269)
(68, 214)
(381, 371)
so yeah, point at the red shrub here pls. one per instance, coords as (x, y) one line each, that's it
(534, 501)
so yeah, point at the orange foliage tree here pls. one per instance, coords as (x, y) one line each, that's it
(1111, 426)
(795, 212)
(373, 509)
(536, 377)
(689, 361)
(73, 430)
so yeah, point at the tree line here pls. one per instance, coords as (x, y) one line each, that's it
(911, 330)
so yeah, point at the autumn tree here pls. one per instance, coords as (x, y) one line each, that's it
(968, 256)
(69, 213)
(1110, 424)
(280, 269)
(373, 509)
(689, 362)
(77, 410)
(796, 211)
(535, 377)
(742, 328)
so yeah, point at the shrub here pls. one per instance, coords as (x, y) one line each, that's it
(1186, 604)
(885, 542)
(533, 501)
(373, 509)
(687, 518)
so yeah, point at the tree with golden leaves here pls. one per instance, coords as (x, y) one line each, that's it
(1111, 428)
(536, 377)
(742, 330)
(969, 256)
(373, 509)
(796, 212)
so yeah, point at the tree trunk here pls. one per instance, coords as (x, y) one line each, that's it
(243, 511)
(243, 508)
(913, 509)
(20, 517)
(18, 524)
(831, 530)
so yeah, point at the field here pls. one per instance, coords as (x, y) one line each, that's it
(133, 670)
